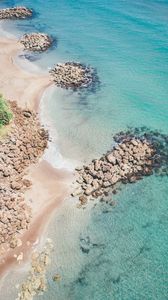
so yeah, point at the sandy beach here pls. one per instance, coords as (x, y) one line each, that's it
(17, 84)
(49, 186)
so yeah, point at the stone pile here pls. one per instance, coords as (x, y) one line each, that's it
(36, 42)
(15, 13)
(127, 162)
(23, 145)
(73, 75)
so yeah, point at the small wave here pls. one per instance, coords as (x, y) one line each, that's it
(52, 153)
(55, 158)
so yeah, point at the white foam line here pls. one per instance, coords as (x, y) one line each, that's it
(52, 153)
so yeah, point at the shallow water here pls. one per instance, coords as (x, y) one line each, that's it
(127, 42)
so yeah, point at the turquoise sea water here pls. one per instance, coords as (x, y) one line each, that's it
(127, 42)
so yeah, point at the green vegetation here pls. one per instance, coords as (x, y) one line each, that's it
(5, 112)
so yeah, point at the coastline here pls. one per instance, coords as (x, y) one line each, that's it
(27, 88)
(49, 185)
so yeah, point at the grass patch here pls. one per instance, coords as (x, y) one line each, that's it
(5, 112)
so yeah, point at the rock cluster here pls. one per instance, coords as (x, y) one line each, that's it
(23, 145)
(127, 162)
(73, 75)
(36, 282)
(15, 13)
(36, 41)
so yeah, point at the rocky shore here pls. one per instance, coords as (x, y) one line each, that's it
(129, 161)
(36, 42)
(15, 13)
(21, 147)
(73, 75)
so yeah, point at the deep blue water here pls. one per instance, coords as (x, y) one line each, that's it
(127, 42)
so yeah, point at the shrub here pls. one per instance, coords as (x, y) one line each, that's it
(5, 112)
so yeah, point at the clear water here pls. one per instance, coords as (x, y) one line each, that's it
(127, 41)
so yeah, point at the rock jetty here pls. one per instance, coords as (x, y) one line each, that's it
(73, 75)
(128, 161)
(36, 41)
(15, 13)
(22, 146)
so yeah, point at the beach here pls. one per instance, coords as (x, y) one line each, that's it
(84, 160)
(49, 186)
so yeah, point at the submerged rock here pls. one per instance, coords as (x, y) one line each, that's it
(36, 282)
(57, 277)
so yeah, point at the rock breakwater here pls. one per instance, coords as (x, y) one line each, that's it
(73, 75)
(133, 157)
(15, 13)
(36, 42)
(22, 146)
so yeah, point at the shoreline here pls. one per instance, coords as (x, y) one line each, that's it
(27, 88)
(48, 184)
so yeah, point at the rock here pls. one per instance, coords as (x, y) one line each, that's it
(107, 176)
(87, 178)
(132, 179)
(95, 184)
(83, 199)
(15, 242)
(106, 184)
(115, 179)
(97, 165)
(111, 158)
(56, 277)
(27, 113)
(78, 169)
(16, 185)
(89, 191)
(27, 183)
(76, 193)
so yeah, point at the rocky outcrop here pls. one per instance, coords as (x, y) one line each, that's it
(36, 41)
(15, 13)
(73, 75)
(23, 146)
(127, 162)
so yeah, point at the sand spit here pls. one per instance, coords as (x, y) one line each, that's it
(36, 42)
(19, 12)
